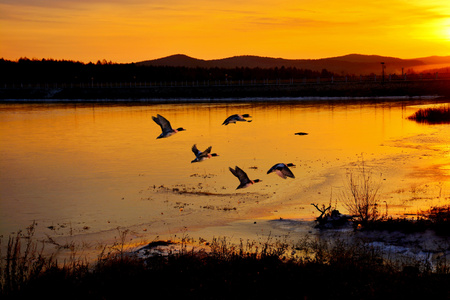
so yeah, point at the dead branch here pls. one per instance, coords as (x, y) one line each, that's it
(323, 210)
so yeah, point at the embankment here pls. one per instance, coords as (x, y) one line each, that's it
(220, 92)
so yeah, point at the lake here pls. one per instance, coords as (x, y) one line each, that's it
(84, 170)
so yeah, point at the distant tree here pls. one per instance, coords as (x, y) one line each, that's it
(26, 70)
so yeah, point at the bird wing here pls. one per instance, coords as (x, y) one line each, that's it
(195, 150)
(282, 170)
(207, 151)
(287, 172)
(230, 118)
(233, 171)
(239, 173)
(227, 120)
(272, 169)
(163, 122)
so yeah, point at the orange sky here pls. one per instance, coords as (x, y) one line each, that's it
(136, 30)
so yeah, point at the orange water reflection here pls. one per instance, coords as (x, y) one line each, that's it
(96, 167)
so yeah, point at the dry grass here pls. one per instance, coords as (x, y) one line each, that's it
(435, 115)
(436, 218)
(310, 269)
(361, 194)
(23, 261)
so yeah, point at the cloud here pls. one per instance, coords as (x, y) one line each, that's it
(293, 22)
(213, 26)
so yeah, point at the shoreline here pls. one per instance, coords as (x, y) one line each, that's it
(274, 217)
(224, 100)
(229, 93)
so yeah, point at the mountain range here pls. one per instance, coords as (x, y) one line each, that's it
(352, 64)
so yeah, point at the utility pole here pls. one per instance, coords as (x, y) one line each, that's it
(382, 71)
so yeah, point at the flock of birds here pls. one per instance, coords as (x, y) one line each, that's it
(281, 169)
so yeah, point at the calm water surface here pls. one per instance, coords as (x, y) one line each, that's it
(89, 168)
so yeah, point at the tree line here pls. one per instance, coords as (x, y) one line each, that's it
(35, 71)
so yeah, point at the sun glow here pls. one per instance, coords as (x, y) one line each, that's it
(120, 32)
(446, 30)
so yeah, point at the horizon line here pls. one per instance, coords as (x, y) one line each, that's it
(223, 58)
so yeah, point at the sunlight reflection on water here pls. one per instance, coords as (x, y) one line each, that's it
(96, 167)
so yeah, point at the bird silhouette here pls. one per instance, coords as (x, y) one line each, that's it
(235, 118)
(282, 170)
(201, 156)
(243, 178)
(165, 127)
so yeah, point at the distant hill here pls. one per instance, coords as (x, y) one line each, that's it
(355, 64)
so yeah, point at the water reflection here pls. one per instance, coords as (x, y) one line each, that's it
(96, 167)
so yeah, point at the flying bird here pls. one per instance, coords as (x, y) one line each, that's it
(234, 118)
(301, 133)
(201, 156)
(282, 170)
(243, 178)
(165, 127)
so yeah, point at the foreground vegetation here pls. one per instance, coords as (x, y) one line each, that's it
(309, 269)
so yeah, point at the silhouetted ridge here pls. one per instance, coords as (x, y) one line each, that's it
(182, 69)
(177, 60)
(347, 64)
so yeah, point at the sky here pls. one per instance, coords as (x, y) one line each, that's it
(125, 31)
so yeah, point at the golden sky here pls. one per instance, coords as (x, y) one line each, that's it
(134, 30)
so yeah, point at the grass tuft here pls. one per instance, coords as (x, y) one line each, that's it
(436, 115)
(361, 197)
(437, 218)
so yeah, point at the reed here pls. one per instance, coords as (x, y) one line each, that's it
(432, 115)
(23, 261)
(436, 218)
(312, 268)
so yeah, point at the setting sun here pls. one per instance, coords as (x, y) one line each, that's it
(446, 30)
